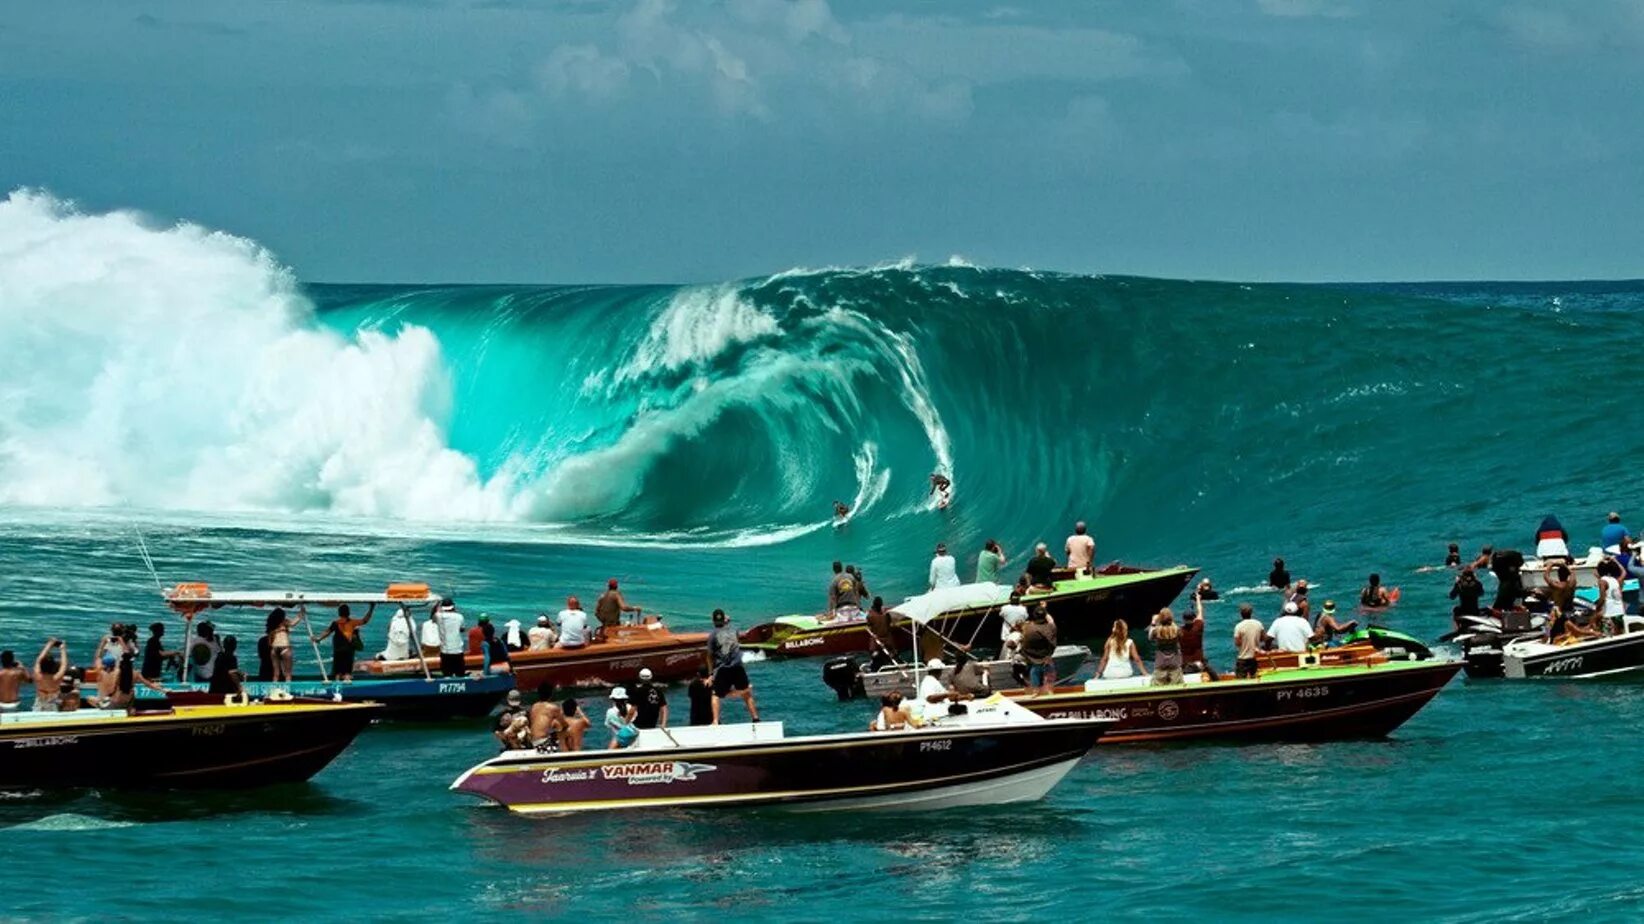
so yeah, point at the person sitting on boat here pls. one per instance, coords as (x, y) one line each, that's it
(125, 686)
(1120, 659)
(944, 571)
(1038, 648)
(513, 728)
(476, 635)
(1193, 657)
(546, 720)
(934, 695)
(843, 600)
(226, 676)
(1040, 568)
(512, 637)
(1298, 596)
(493, 653)
(1628, 559)
(619, 720)
(203, 651)
(573, 625)
(1081, 550)
(650, 701)
(1167, 648)
(68, 697)
(344, 633)
(1291, 631)
(278, 630)
(430, 636)
(881, 647)
(730, 676)
(400, 627)
(541, 636)
(1279, 577)
(970, 677)
(893, 714)
(12, 677)
(1249, 636)
(1563, 628)
(1613, 534)
(1373, 595)
(1328, 627)
(577, 724)
(1551, 539)
(610, 606)
(48, 675)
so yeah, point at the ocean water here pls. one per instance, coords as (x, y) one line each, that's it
(514, 444)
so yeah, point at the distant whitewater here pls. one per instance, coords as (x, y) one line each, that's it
(177, 368)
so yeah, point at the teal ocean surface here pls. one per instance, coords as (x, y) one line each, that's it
(514, 444)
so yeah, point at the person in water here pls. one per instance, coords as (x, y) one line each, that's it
(610, 606)
(1452, 558)
(1279, 577)
(1081, 550)
(989, 561)
(1041, 568)
(944, 571)
(840, 510)
(1327, 627)
(1206, 591)
(1482, 562)
(1373, 595)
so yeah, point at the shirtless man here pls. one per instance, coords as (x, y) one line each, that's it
(576, 725)
(610, 606)
(547, 721)
(12, 676)
(48, 675)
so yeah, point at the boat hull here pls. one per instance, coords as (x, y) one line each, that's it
(190, 748)
(1613, 656)
(402, 698)
(1308, 704)
(916, 769)
(1070, 659)
(1083, 610)
(670, 658)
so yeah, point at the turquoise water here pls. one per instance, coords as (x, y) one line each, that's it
(515, 444)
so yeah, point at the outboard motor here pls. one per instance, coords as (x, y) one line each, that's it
(844, 675)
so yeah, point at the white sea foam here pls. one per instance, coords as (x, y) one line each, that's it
(69, 821)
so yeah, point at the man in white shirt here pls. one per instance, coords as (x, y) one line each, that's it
(541, 635)
(1291, 631)
(573, 625)
(430, 639)
(1012, 615)
(399, 635)
(934, 695)
(944, 571)
(451, 639)
(1081, 549)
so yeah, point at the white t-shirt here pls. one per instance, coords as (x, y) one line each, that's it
(573, 627)
(399, 637)
(431, 632)
(931, 685)
(1081, 551)
(944, 572)
(451, 640)
(1012, 616)
(1291, 633)
(541, 638)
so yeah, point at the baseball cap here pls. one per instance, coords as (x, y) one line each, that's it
(513, 698)
(1291, 608)
(645, 673)
(619, 693)
(935, 664)
(1330, 606)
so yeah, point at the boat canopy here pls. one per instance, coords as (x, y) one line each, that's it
(195, 597)
(925, 607)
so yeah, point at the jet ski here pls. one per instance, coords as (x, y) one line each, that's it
(1483, 637)
(1395, 645)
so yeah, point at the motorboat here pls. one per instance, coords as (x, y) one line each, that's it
(994, 753)
(1584, 569)
(1610, 656)
(1322, 703)
(853, 676)
(419, 694)
(223, 746)
(614, 657)
(1084, 607)
(1483, 636)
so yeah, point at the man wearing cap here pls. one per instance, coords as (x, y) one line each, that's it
(730, 679)
(944, 571)
(512, 726)
(573, 625)
(610, 606)
(934, 695)
(540, 637)
(1328, 628)
(619, 720)
(650, 702)
(450, 623)
(1081, 549)
(1291, 631)
(1040, 568)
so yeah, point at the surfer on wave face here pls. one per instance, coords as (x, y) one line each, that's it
(840, 510)
(942, 487)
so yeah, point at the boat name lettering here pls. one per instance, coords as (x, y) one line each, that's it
(1117, 714)
(685, 656)
(49, 741)
(665, 771)
(946, 744)
(804, 642)
(627, 664)
(1302, 693)
(556, 775)
(1563, 665)
(208, 730)
(450, 688)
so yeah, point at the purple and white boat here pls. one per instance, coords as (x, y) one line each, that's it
(996, 753)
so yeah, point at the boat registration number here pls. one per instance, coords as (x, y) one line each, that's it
(1303, 693)
(451, 688)
(208, 730)
(946, 744)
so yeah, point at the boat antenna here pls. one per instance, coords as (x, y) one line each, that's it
(148, 561)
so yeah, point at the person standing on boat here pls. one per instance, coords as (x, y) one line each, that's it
(861, 582)
(1081, 550)
(399, 635)
(493, 653)
(577, 724)
(941, 486)
(1467, 591)
(944, 571)
(650, 702)
(48, 675)
(1613, 534)
(1248, 635)
(1193, 658)
(701, 695)
(541, 635)
(969, 676)
(451, 639)
(1505, 564)
(1279, 577)
(344, 633)
(730, 677)
(1041, 568)
(226, 677)
(1167, 649)
(1610, 604)
(988, 562)
(155, 653)
(881, 648)
(12, 676)
(278, 629)
(1561, 585)
(842, 593)
(619, 720)
(1011, 617)
(573, 625)
(1298, 596)
(203, 651)
(431, 636)
(610, 606)
(1119, 656)
(1039, 650)
(546, 720)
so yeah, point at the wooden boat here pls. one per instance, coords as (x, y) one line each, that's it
(997, 753)
(187, 747)
(417, 695)
(852, 676)
(1365, 700)
(614, 658)
(1084, 608)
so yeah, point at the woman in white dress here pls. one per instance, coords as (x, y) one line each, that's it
(1119, 656)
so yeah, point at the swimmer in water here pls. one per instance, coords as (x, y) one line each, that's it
(1452, 558)
(1279, 577)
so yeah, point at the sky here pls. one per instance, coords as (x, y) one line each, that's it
(656, 141)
